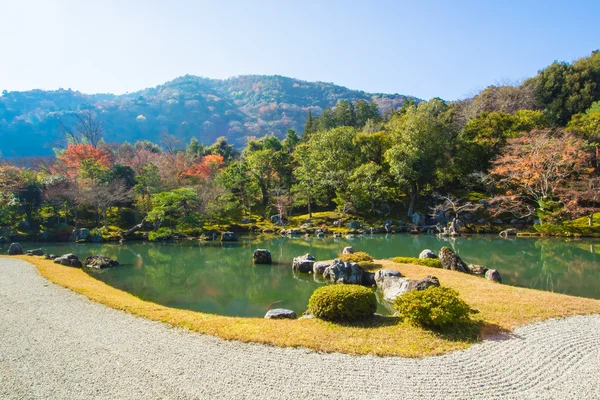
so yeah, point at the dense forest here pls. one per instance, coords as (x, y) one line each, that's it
(189, 106)
(517, 155)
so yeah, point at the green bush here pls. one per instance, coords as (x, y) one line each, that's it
(434, 307)
(160, 234)
(428, 262)
(359, 256)
(342, 303)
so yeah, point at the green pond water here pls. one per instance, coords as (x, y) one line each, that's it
(221, 278)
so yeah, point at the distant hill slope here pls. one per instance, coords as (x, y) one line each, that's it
(189, 106)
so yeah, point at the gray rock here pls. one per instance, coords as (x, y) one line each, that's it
(83, 234)
(348, 250)
(304, 226)
(303, 263)
(320, 267)
(248, 221)
(383, 274)
(368, 278)
(353, 225)
(262, 256)
(229, 237)
(50, 256)
(427, 254)
(280, 313)
(320, 234)
(497, 222)
(15, 249)
(35, 252)
(451, 261)
(344, 272)
(392, 286)
(69, 260)
(100, 262)
(508, 232)
(476, 269)
(493, 275)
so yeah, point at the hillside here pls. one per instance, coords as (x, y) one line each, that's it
(186, 107)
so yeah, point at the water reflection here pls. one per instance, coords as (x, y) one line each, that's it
(220, 278)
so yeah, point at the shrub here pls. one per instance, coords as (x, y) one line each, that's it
(428, 262)
(160, 234)
(342, 303)
(355, 257)
(434, 307)
(369, 266)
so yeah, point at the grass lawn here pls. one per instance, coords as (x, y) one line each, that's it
(501, 307)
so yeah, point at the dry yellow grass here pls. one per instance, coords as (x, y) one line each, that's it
(500, 306)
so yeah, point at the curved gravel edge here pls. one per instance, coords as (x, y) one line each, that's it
(58, 344)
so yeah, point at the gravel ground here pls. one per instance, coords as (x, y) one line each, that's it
(55, 344)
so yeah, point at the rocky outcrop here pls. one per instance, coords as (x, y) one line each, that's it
(15, 249)
(427, 254)
(476, 269)
(348, 250)
(493, 275)
(508, 232)
(35, 252)
(262, 256)
(344, 272)
(320, 267)
(69, 260)
(229, 237)
(303, 263)
(392, 284)
(368, 278)
(100, 262)
(280, 313)
(451, 261)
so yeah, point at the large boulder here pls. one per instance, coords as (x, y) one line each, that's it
(229, 237)
(320, 267)
(451, 261)
(35, 252)
(508, 232)
(69, 260)
(493, 275)
(393, 285)
(344, 272)
(280, 313)
(348, 250)
(15, 249)
(303, 263)
(262, 256)
(368, 278)
(427, 254)
(100, 262)
(476, 269)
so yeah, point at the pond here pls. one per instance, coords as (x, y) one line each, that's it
(222, 279)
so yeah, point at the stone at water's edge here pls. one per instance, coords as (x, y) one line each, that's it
(383, 274)
(348, 250)
(493, 275)
(69, 260)
(451, 261)
(344, 272)
(35, 252)
(427, 254)
(15, 249)
(303, 263)
(280, 313)
(229, 237)
(508, 232)
(262, 256)
(100, 262)
(477, 269)
(368, 278)
(320, 267)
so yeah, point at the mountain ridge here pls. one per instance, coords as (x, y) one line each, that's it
(188, 106)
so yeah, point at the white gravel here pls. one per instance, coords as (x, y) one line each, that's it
(55, 344)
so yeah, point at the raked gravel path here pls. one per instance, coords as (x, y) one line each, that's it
(55, 344)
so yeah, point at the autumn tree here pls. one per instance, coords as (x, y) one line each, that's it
(538, 168)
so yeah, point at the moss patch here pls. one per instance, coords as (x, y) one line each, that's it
(500, 306)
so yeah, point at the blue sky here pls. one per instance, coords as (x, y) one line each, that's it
(448, 49)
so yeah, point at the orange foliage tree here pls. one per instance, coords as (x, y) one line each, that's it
(539, 168)
(76, 154)
(206, 168)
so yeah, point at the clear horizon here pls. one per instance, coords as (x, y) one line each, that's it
(438, 49)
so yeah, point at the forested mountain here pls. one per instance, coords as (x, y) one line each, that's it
(185, 107)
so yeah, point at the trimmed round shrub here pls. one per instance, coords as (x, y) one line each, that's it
(434, 307)
(359, 256)
(342, 303)
(428, 262)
